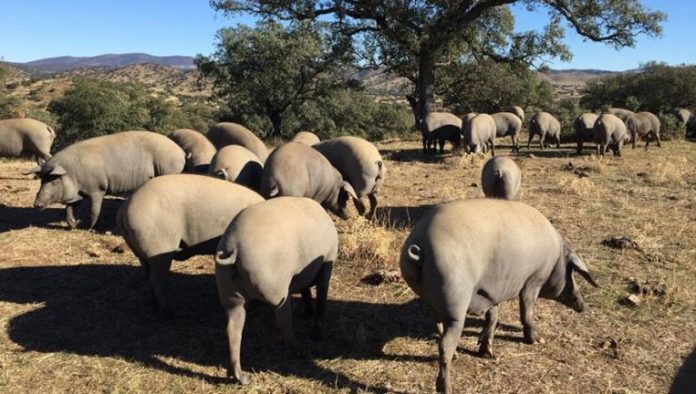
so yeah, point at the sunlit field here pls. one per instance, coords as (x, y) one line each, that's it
(74, 317)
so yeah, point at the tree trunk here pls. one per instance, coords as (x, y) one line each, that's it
(425, 88)
(276, 121)
(413, 102)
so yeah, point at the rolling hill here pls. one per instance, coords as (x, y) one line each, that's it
(65, 63)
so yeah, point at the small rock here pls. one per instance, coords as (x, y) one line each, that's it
(93, 253)
(632, 300)
(119, 249)
(474, 184)
(647, 288)
(382, 276)
(642, 174)
(532, 156)
(620, 243)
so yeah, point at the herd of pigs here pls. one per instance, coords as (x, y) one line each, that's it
(264, 215)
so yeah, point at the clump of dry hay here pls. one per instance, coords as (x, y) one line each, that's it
(667, 173)
(371, 245)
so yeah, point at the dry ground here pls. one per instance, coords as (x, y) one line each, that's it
(73, 317)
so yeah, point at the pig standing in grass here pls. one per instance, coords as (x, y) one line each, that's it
(610, 132)
(306, 137)
(547, 126)
(227, 133)
(109, 164)
(26, 137)
(467, 256)
(501, 178)
(198, 149)
(235, 163)
(479, 132)
(295, 169)
(584, 128)
(271, 250)
(360, 164)
(175, 217)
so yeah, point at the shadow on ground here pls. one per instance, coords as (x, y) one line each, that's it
(685, 380)
(17, 218)
(100, 310)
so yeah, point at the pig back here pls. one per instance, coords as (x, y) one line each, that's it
(184, 207)
(121, 162)
(277, 240)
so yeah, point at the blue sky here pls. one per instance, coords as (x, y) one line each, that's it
(35, 29)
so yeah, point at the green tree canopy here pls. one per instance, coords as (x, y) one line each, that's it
(7, 102)
(490, 87)
(92, 108)
(412, 38)
(270, 68)
(654, 87)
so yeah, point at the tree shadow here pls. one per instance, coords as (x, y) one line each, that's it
(548, 153)
(401, 217)
(101, 310)
(17, 218)
(685, 380)
(413, 154)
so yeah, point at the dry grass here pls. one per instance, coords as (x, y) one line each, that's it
(73, 319)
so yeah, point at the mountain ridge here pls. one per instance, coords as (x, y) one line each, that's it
(66, 63)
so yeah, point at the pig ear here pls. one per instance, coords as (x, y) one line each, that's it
(274, 191)
(58, 170)
(579, 266)
(349, 189)
(221, 173)
(36, 170)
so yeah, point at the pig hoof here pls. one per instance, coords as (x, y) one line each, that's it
(72, 224)
(243, 380)
(485, 352)
(534, 340)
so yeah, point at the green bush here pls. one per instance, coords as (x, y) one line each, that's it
(345, 112)
(669, 127)
(655, 87)
(92, 108)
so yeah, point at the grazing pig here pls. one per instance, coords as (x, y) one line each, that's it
(609, 132)
(227, 133)
(109, 164)
(360, 164)
(643, 125)
(621, 113)
(235, 163)
(175, 217)
(198, 149)
(517, 110)
(467, 256)
(501, 178)
(547, 126)
(295, 169)
(26, 136)
(480, 132)
(440, 127)
(584, 128)
(306, 137)
(507, 123)
(271, 250)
